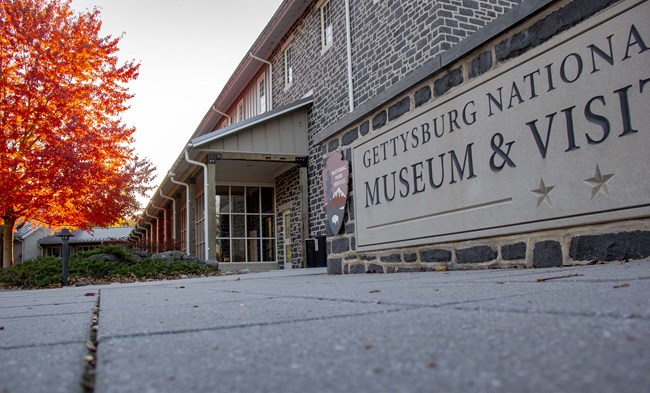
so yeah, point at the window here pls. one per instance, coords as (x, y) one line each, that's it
(261, 93)
(240, 111)
(78, 249)
(326, 25)
(53, 252)
(245, 224)
(288, 66)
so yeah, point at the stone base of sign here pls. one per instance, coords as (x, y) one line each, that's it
(619, 241)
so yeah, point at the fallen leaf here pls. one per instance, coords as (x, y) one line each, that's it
(377, 370)
(499, 282)
(90, 294)
(441, 268)
(242, 305)
(432, 365)
(89, 358)
(622, 285)
(369, 346)
(91, 346)
(375, 291)
(436, 289)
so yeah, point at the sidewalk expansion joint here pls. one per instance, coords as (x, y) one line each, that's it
(44, 315)
(88, 377)
(249, 325)
(42, 305)
(558, 313)
(37, 345)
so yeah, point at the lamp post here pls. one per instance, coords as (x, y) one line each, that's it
(65, 235)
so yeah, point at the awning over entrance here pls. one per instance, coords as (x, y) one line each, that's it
(276, 135)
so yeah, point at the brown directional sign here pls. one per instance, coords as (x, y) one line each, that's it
(335, 187)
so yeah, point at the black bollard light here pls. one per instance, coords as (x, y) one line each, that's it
(65, 235)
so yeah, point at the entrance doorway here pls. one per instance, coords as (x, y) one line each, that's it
(245, 224)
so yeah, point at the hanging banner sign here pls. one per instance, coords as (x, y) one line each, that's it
(335, 187)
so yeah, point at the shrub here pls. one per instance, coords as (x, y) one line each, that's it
(46, 272)
(41, 272)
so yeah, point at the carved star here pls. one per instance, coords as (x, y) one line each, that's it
(542, 193)
(598, 183)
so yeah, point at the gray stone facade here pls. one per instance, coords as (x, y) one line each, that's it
(550, 248)
(287, 194)
(389, 40)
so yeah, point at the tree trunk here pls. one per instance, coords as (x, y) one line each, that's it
(8, 242)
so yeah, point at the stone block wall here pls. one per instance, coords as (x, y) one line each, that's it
(577, 245)
(287, 193)
(390, 39)
(562, 247)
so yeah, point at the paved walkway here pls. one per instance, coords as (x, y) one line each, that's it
(305, 331)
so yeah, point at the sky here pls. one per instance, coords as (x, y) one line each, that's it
(188, 49)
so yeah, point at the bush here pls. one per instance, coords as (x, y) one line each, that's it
(46, 272)
(41, 272)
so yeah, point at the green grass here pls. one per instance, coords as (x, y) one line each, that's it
(46, 272)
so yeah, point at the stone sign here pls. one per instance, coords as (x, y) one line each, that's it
(335, 187)
(555, 138)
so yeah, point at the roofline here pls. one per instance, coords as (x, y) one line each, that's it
(285, 16)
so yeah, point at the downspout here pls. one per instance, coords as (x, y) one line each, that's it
(141, 232)
(223, 114)
(156, 218)
(205, 200)
(174, 218)
(147, 230)
(187, 210)
(164, 221)
(270, 78)
(349, 52)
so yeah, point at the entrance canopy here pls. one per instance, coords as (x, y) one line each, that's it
(282, 131)
(254, 150)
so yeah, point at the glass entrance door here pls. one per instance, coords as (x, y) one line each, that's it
(245, 224)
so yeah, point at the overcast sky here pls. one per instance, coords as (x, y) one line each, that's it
(187, 49)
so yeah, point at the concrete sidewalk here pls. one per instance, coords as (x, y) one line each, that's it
(305, 331)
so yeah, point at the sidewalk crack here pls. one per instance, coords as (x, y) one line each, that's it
(88, 377)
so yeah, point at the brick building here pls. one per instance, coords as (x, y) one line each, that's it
(372, 82)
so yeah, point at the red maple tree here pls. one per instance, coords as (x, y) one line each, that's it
(65, 155)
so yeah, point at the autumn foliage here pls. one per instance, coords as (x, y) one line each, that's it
(65, 155)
